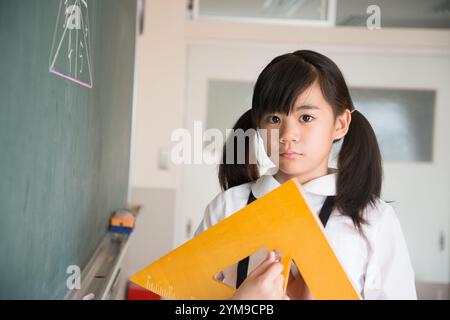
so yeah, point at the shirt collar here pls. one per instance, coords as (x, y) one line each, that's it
(324, 185)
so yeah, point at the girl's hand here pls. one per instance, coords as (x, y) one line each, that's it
(297, 289)
(263, 283)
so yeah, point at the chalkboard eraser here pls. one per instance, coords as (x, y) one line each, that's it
(122, 222)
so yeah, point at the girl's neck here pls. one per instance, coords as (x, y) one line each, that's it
(303, 178)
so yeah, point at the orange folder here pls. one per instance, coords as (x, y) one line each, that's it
(282, 221)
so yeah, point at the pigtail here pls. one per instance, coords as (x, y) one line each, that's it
(360, 170)
(235, 173)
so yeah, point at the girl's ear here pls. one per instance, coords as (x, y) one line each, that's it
(342, 124)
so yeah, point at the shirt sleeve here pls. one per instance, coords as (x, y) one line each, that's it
(214, 212)
(205, 223)
(389, 273)
(210, 217)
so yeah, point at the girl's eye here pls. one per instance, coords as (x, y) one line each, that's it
(273, 119)
(306, 118)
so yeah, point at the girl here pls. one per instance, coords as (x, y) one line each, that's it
(304, 98)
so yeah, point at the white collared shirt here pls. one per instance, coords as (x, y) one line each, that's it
(379, 267)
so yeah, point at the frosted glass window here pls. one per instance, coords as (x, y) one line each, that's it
(396, 13)
(265, 10)
(403, 121)
(393, 13)
(227, 101)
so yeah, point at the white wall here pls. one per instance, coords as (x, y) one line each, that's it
(160, 64)
(159, 110)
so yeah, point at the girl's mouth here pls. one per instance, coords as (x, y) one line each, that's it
(291, 155)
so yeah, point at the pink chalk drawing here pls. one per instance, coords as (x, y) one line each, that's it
(70, 56)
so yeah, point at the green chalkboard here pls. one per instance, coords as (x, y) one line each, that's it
(64, 148)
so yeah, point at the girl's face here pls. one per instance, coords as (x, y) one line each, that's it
(300, 143)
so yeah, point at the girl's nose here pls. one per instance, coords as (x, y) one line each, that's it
(288, 133)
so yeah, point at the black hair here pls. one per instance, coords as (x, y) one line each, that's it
(359, 178)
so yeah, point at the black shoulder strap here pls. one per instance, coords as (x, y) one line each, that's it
(326, 210)
(324, 215)
(242, 268)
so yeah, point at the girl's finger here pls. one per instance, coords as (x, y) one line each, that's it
(263, 266)
(279, 281)
(273, 271)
